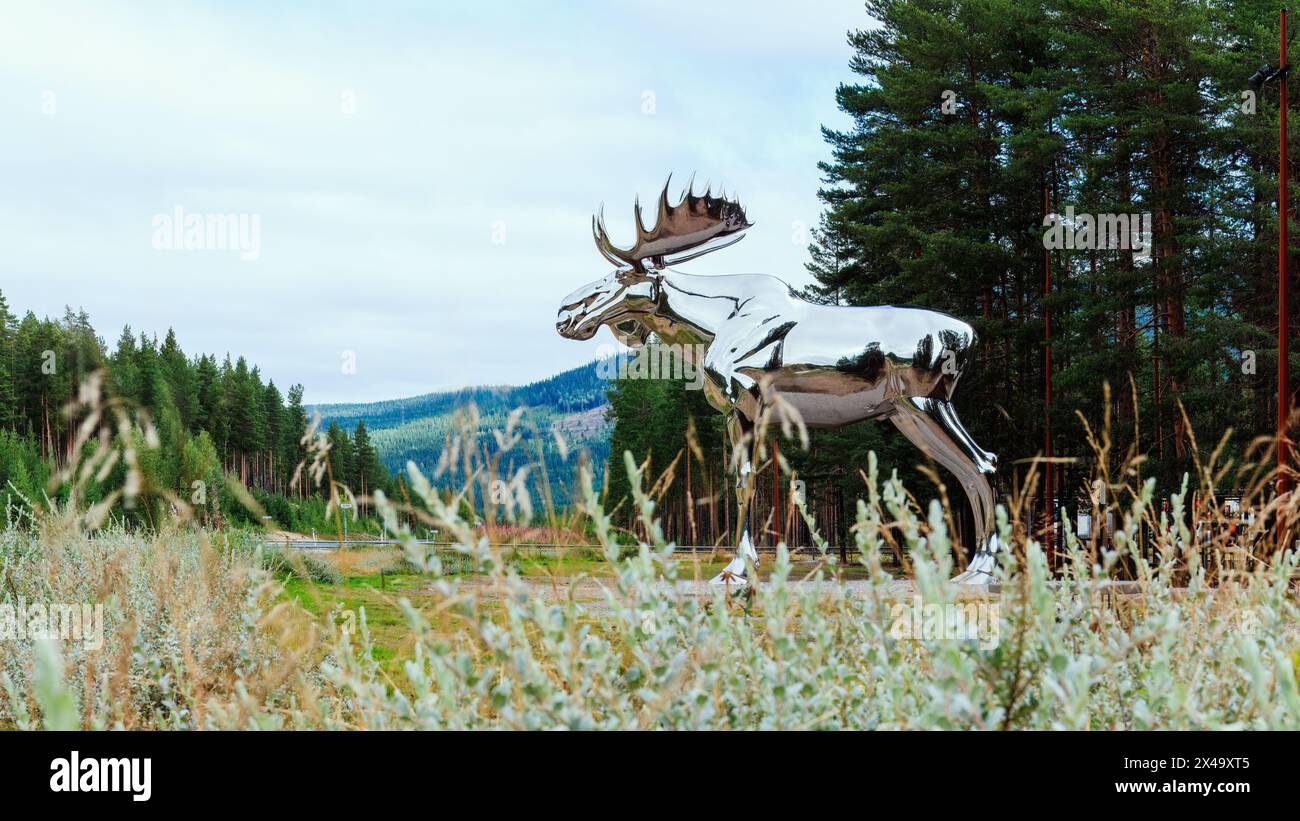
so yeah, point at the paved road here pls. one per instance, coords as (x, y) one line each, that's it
(328, 544)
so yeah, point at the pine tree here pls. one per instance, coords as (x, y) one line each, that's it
(8, 387)
(293, 452)
(208, 412)
(180, 380)
(368, 475)
(340, 456)
(273, 433)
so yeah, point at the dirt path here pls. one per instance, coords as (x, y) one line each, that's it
(592, 589)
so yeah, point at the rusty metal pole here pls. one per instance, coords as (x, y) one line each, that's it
(1283, 375)
(1049, 537)
(776, 489)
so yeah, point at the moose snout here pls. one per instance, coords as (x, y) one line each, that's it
(564, 321)
(568, 322)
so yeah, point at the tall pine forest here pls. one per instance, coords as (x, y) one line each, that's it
(217, 423)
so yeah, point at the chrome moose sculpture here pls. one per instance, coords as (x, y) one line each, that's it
(833, 364)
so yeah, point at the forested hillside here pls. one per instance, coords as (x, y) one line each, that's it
(416, 429)
(972, 122)
(213, 418)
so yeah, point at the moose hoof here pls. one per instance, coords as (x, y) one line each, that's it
(730, 577)
(733, 575)
(980, 571)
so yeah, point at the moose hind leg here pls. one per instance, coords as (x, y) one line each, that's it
(740, 437)
(932, 425)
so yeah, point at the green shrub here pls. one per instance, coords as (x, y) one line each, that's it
(299, 564)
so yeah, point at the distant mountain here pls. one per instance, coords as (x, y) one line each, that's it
(417, 428)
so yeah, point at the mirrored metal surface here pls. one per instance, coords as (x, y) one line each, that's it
(834, 364)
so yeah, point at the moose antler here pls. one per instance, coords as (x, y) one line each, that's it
(696, 224)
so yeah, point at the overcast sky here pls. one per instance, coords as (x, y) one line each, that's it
(423, 175)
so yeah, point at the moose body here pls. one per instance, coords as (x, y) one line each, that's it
(834, 365)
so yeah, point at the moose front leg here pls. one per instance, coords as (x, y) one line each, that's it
(932, 425)
(740, 437)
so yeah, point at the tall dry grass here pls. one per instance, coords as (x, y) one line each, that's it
(199, 635)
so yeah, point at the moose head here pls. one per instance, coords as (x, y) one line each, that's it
(694, 226)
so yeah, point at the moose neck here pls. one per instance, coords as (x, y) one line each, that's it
(690, 309)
